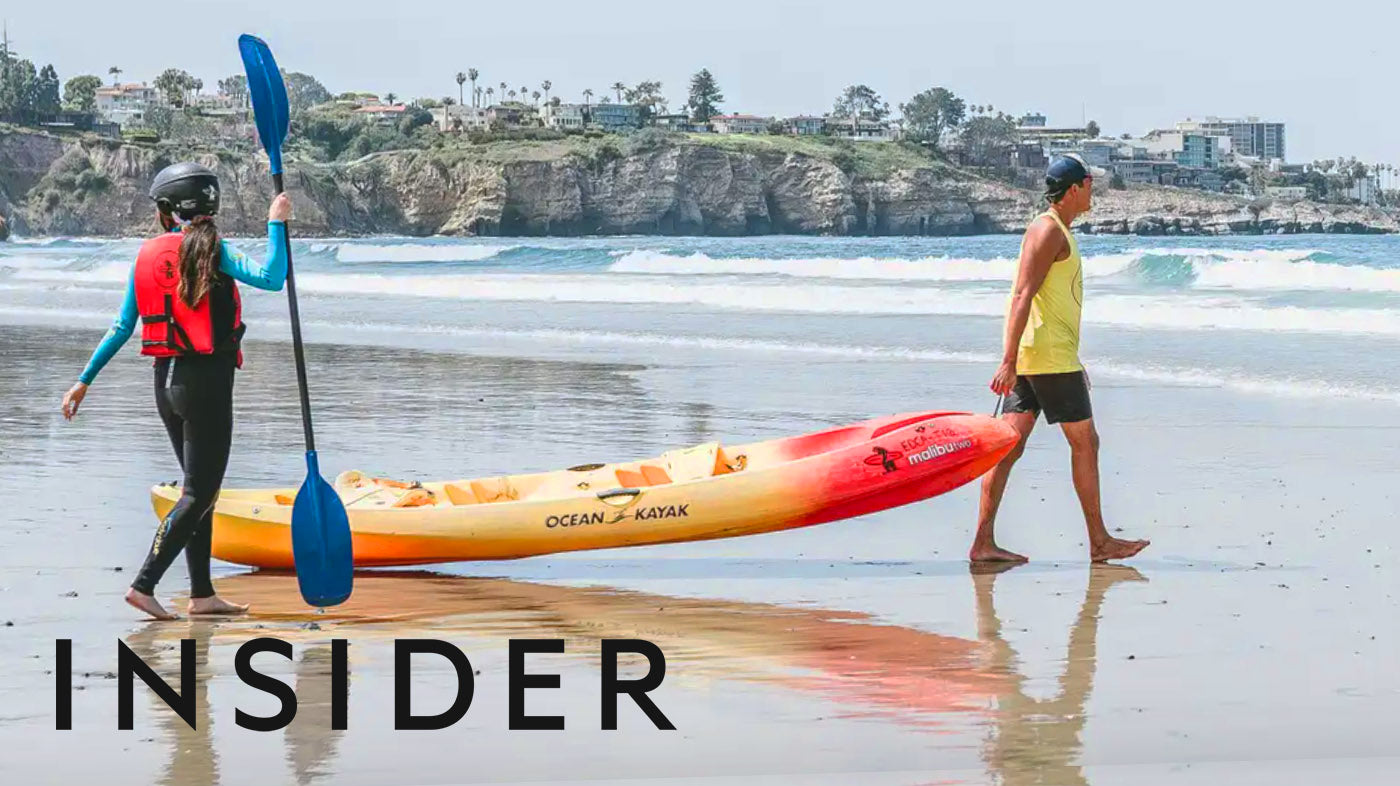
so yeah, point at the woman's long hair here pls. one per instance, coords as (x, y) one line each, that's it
(199, 257)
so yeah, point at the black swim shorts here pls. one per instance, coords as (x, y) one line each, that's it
(1064, 398)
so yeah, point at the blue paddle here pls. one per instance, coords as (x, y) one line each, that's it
(320, 528)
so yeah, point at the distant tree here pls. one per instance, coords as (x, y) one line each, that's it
(647, 96)
(430, 103)
(545, 86)
(490, 95)
(80, 92)
(536, 96)
(705, 96)
(988, 141)
(390, 98)
(619, 87)
(605, 100)
(860, 102)
(587, 97)
(931, 113)
(46, 91)
(448, 101)
(18, 85)
(504, 88)
(461, 80)
(303, 91)
(115, 72)
(235, 87)
(1126, 135)
(776, 128)
(512, 95)
(472, 74)
(173, 84)
(1092, 129)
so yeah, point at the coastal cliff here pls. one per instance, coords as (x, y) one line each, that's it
(51, 185)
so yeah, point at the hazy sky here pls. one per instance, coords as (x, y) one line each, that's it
(1327, 70)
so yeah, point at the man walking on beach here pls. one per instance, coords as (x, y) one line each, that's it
(1040, 369)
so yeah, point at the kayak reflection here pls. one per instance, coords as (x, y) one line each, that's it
(871, 669)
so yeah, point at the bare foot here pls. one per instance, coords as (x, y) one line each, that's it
(1115, 548)
(215, 605)
(148, 604)
(993, 553)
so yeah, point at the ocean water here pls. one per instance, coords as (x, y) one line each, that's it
(1297, 316)
(1244, 388)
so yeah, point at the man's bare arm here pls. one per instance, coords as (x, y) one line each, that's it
(1044, 244)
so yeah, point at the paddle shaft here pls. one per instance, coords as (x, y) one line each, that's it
(296, 332)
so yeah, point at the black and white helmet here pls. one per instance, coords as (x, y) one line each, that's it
(186, 190)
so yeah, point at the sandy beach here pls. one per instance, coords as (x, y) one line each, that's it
(1254, 642)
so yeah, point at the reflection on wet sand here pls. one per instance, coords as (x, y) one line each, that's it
(193, 757)
(1037, 741)
(915, 678)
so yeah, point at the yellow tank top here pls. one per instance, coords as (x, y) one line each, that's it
(1050, 343)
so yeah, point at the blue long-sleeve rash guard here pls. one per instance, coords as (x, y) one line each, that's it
(269, 275)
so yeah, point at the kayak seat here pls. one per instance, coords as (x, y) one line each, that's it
(283, 499)
(458, 495)
(646, 475)
(493, 490)
(699, 462)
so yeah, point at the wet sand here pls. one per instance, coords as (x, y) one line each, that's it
(1254, 643)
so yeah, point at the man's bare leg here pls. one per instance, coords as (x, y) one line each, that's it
(1084, 459)
(984, 546)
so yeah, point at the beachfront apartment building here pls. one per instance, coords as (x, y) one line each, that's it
(861, 130)
(564, 117)
(805, 125)
(1187, 148)
(383, 114)
(617, 118)
(1249, 136)
(740, 124)
(460, 118)
(126, 104)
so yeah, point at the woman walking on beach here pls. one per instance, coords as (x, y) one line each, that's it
(182, 287)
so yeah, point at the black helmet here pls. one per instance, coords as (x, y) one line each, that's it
(186, 190)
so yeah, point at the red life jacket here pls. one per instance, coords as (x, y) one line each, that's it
(169, 328)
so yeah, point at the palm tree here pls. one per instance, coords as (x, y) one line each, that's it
(115, 72)
(476, 96)
(536, 95)
(587, 96)
(472, 74)
(461, 80)
(490, 95)
(504, 88)
(390, 98)
(512, 95)
(524, 91)
(619, 87)
(545, 85)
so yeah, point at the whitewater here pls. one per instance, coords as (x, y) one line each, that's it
(1287, 317)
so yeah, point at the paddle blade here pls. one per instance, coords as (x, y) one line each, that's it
(269, 96)
(321, 546)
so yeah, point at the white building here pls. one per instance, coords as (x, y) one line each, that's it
(740, 124)
(460, 118)
(564, 117)
(862, 130)
(124, 104)
(1249, 136)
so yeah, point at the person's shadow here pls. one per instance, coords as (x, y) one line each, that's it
(1038, 741)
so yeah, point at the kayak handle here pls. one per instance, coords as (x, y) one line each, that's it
(630, 494)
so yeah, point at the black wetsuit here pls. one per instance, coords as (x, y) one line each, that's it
(194, 396)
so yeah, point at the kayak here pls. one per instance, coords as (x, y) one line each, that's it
(696, 493)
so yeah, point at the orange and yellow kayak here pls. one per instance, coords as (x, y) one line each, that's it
(696, 493)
